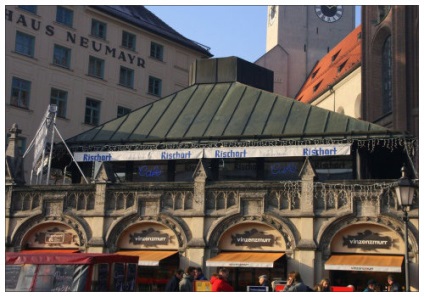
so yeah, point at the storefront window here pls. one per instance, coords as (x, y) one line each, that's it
(150, 171)
(333, 168)
(282, 169)
(237, 169)
(184, 170)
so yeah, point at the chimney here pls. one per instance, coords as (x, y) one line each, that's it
(231, 69)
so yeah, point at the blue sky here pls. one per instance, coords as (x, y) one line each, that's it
(228, 30)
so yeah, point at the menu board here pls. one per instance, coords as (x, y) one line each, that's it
(102, 278)
(131, 277)
(12, 276)
(202, 286)
(62, 278)
(118, 277)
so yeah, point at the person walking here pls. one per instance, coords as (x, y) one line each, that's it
(393, 285)
(173, 283)
(220, 282)
(370, 286)
(295, 283)
(198, 274)
(186, 283)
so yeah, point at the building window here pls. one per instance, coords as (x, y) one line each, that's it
(98, 29)
(156, 51)
(24, 44)
(20, 93)
(122, 111)
(128, 40)
(92, 112)
(387, 75)
(62, 56)
(155, 86)
(20, 143)
(96, 67)
(29, 8)
(126, 77)
(59, 98)
(64, 16)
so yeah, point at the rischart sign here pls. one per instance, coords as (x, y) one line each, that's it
(216, 153)
(368, 240)
(253, 239)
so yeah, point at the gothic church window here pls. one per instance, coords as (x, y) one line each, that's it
(387, 75)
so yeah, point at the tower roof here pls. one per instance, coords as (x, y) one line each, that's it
(333, 67)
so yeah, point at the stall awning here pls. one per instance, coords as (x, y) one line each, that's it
(244, 259)
(365, 263)
(44, 251)
(149, 258)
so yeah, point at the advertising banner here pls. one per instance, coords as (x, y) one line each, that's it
(216, 153)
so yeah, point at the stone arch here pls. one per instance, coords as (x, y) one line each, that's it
(389, 222)
(178, 227)
(287, 230)
(80, 227)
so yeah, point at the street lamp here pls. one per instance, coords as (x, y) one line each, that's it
(405, 190)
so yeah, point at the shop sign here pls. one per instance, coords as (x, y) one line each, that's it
(257, 288)
(368, 240)
(149, 238)
(54, 238)
(252, 239)
(216, 153)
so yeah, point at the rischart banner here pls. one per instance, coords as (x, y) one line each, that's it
(217, 153)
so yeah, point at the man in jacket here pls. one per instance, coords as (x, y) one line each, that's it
(198, 275)
(220, 283)
(173, 283)
(186, 283)
(295, 283)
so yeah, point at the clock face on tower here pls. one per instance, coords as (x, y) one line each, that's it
(329, 13)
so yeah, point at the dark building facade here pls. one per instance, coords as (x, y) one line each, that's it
(390, 61)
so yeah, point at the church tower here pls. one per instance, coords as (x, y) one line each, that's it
(298, 37)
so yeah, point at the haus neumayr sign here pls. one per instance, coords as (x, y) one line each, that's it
(216, 153)
(71, 37)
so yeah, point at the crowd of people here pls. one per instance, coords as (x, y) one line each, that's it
(183, 281)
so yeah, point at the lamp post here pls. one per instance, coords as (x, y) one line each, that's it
(405, 190)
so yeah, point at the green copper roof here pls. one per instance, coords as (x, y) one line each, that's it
(217, 111)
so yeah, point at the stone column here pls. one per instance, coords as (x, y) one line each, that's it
(306, 247)
(195, 253)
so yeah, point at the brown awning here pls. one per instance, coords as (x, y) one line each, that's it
(360, 262)
(149, 258)
(244, 259)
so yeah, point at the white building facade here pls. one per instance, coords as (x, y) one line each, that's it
(95, 63)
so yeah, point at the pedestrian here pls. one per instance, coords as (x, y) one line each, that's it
(263, 281)
(295, 283)
(173, 283)
(220, 282)
(393, 285)
(370, 286)
(323, 286)
(198, 274)
(186, 283)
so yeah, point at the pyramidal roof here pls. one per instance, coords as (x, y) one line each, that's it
(224, 111)
(333, 67)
